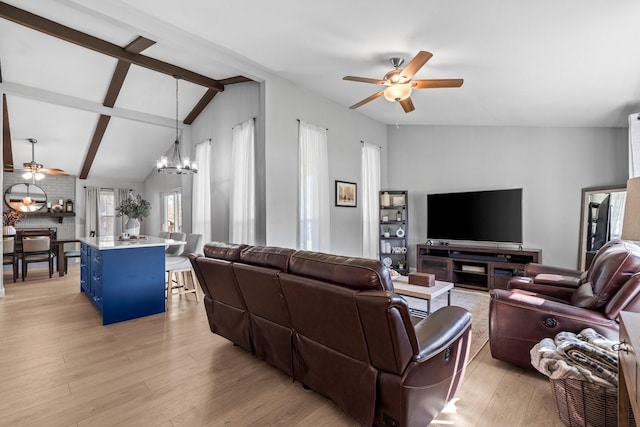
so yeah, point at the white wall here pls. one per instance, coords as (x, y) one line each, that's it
(552, 165)
(238, 103)
(285, 103)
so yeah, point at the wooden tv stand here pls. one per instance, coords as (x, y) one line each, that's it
(476, 267)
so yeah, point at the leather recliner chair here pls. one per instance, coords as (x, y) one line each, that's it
(548, 300)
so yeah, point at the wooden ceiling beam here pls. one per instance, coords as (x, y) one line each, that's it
(122, 68)
(201, 105)
(79, 38)
(208, 97)
(98, 134)
(117, 80)
(7, 150)
(234, 80)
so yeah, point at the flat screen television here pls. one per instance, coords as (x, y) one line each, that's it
(485, 216)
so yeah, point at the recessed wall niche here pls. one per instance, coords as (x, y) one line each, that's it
(56, 188)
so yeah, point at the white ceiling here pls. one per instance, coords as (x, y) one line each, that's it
(543, 63)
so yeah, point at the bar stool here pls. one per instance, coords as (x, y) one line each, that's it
(180, 274)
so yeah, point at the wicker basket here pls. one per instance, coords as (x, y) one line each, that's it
(585, 404)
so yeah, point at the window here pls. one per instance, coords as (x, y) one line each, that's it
(106, 213)
(172, 211)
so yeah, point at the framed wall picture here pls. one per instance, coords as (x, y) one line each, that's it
(346, 194)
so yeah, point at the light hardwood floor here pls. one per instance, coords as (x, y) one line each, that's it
(60, 367)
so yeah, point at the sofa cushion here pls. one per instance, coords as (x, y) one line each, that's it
(224, 251)
(612, 268)
(583, 296)
(349, 272)
(266, 256)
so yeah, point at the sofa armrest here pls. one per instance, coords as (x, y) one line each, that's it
(440, 329)
(529, 285)
(533, 269)
(524, 303)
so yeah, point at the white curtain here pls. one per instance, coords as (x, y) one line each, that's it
(634, 145)
(242, 215)
(370, 193)
(617, 202)
(313, 188)
(119, 195)
(91, 222)
(201, 206)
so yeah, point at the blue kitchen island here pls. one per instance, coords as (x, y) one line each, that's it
(125, 279)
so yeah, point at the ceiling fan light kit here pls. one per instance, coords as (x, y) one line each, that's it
(176, 165)
(34, 171)
(397, 92)
(399, 83)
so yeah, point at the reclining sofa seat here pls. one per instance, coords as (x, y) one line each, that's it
(354, 341)
(270, 324)
(226, 310)
(551, 300)
(349, 336)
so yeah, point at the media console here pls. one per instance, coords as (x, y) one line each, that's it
(475, 267)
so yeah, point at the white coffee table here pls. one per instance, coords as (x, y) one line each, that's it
(401, 286)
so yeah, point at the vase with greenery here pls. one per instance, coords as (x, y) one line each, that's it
(135, 208)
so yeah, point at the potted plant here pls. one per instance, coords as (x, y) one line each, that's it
(9, 221)
(135, 208)
(402, 261)
(386, 231)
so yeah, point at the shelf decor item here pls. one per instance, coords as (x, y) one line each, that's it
(400, 232)
(385, 199)
(422, 279)
(135, 208)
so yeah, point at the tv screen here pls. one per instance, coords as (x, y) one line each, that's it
(487, 216)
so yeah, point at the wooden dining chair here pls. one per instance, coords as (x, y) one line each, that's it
(36, 249)
(9, 255)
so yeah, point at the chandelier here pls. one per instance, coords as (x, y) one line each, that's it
(176, 164)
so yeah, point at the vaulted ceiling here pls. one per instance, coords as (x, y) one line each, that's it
(544, 63)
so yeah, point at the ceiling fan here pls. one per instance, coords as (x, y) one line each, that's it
(36, 171)
(399, 83)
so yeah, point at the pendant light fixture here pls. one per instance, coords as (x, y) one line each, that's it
(176, 165)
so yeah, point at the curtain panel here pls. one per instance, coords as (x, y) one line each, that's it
(91, 197)
(242, 215)
(313, 188)
(370, 193)
(201, 205)
(634, 145)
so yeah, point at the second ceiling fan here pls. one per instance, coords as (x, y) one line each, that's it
(399, 83)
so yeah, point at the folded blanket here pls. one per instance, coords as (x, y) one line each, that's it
(587, 356)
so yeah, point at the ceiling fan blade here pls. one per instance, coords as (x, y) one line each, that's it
(435, 83)
(415, 64)
(407, 105)
(364, 101)
(54, 171)
(364, 80)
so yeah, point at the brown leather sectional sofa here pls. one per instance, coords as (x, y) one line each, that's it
(334, 324)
